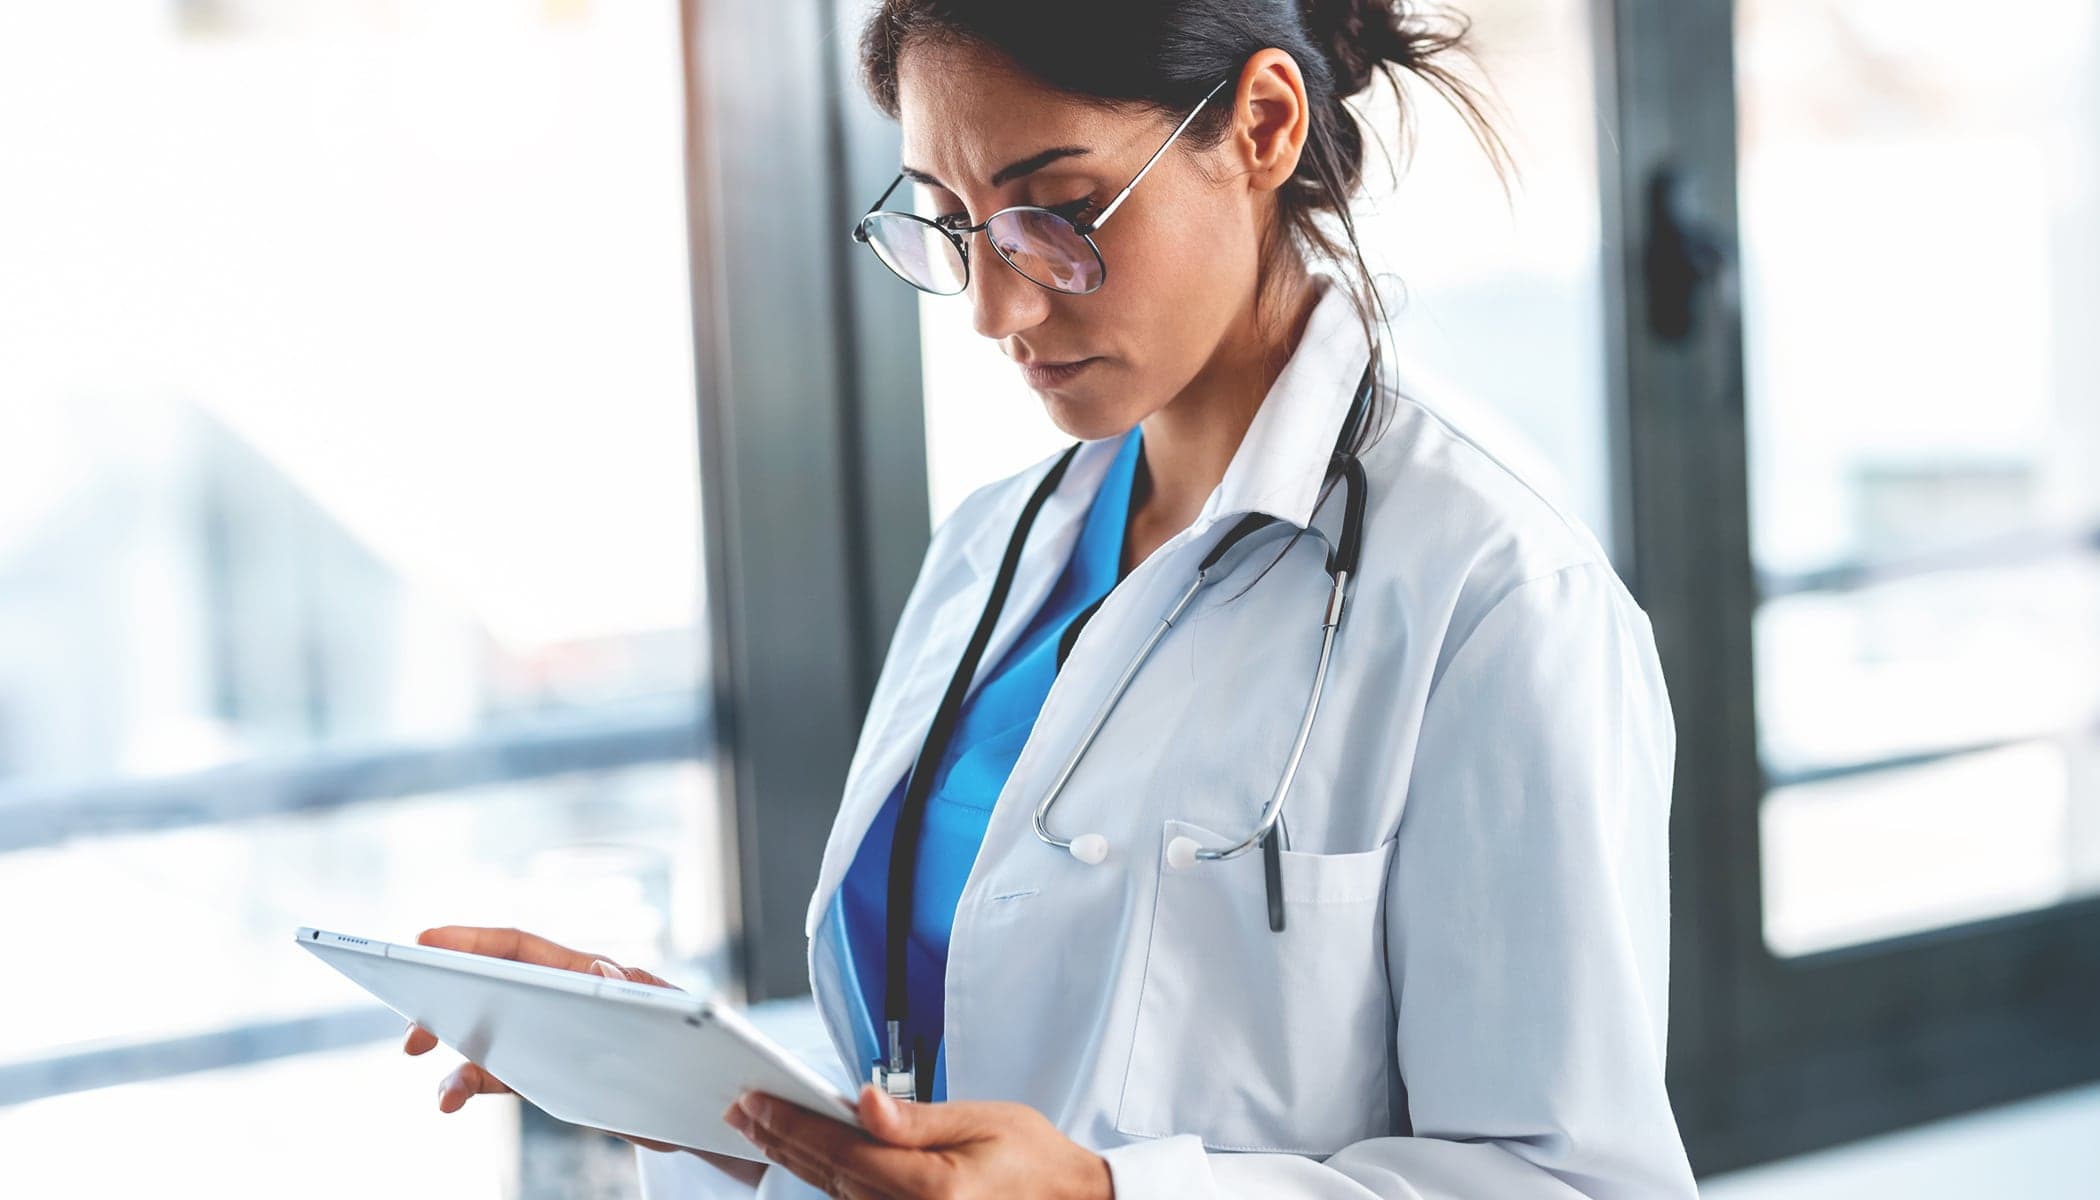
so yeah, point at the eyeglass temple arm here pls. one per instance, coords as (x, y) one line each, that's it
(1116, 203)
(860, 231)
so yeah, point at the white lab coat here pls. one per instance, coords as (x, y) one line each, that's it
(1469, 996)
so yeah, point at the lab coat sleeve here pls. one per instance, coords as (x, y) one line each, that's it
(1527, 930)
(677, 1175)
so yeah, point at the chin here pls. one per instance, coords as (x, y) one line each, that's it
(1083, 419)
(1090, 408)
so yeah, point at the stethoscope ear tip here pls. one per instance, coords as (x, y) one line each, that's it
(1090, 848)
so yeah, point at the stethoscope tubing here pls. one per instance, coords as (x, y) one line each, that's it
(1341, 561)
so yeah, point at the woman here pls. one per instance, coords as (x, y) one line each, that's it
(1439, 968)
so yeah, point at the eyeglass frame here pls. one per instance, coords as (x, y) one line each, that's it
(956, 234)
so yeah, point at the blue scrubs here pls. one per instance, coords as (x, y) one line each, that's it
(993, 726)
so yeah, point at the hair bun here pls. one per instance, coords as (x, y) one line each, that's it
(1360, 36)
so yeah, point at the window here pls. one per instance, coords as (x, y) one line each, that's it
(1853, 272)
(1472, 272)
(350, 563)
(1918, 257)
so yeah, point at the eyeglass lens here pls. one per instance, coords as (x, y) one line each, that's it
(1044, 246)
(1041, 245)
(921, 255)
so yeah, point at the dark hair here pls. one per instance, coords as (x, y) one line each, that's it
(1166, 54)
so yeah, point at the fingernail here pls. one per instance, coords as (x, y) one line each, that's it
(606, 969)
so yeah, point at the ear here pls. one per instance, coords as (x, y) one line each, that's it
(1271, 119)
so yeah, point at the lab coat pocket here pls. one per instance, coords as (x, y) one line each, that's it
(1255, 1039)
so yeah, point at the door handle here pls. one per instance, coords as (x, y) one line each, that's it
(1681, 259)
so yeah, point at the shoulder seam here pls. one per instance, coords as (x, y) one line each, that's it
(1458, 435)
(1495, 605)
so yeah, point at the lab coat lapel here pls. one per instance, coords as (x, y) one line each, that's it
(1020, 975)
(1277, 469)
(896, 726)
(1282, 459)
(895, 730)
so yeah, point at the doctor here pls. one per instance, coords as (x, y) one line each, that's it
(1284, 782)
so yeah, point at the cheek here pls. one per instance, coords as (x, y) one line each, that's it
(1175, 282)
(1176, 248)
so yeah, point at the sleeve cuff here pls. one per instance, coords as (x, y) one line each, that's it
(1162, 1167)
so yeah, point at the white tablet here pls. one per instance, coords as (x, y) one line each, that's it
(628, 1057)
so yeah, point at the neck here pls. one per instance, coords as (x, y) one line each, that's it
(1191, 440)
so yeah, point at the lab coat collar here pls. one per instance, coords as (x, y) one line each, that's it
(1280, 463)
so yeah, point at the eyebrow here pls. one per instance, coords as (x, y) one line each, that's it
(1011, 171)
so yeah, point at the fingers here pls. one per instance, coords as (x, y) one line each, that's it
(908, 1123)
(640, 976)
(514, 944)
(833, 1152)
(419, 1040)
(741, 1169)
(465, 1081)
(520, 946)
(611, 970)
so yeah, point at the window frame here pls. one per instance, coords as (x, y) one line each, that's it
(1771, 1056)
(812, 440)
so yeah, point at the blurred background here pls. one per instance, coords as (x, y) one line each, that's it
(452, 470)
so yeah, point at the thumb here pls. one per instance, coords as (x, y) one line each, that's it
(908, 1123)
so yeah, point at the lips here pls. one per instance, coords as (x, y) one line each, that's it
(1044, 375)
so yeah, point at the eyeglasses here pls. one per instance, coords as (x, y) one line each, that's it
(1046, 245)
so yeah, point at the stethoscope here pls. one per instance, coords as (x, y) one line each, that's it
(896, 1072)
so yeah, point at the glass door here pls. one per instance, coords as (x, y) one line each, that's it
(1921, 247)
(1861, 272)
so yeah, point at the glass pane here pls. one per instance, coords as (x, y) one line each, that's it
(348, 429)
(348, 377)
(1480, 275)
(1503, 295)
(1927, 663)
(371, 1113)
(602, 860)
(1920, 275)
(1898, 851)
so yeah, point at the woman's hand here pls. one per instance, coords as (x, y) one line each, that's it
(960, 1148)
(468, 1079)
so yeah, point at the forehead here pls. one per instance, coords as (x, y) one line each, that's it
(966, 111)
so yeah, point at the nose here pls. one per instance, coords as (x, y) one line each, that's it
(1002, 301)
